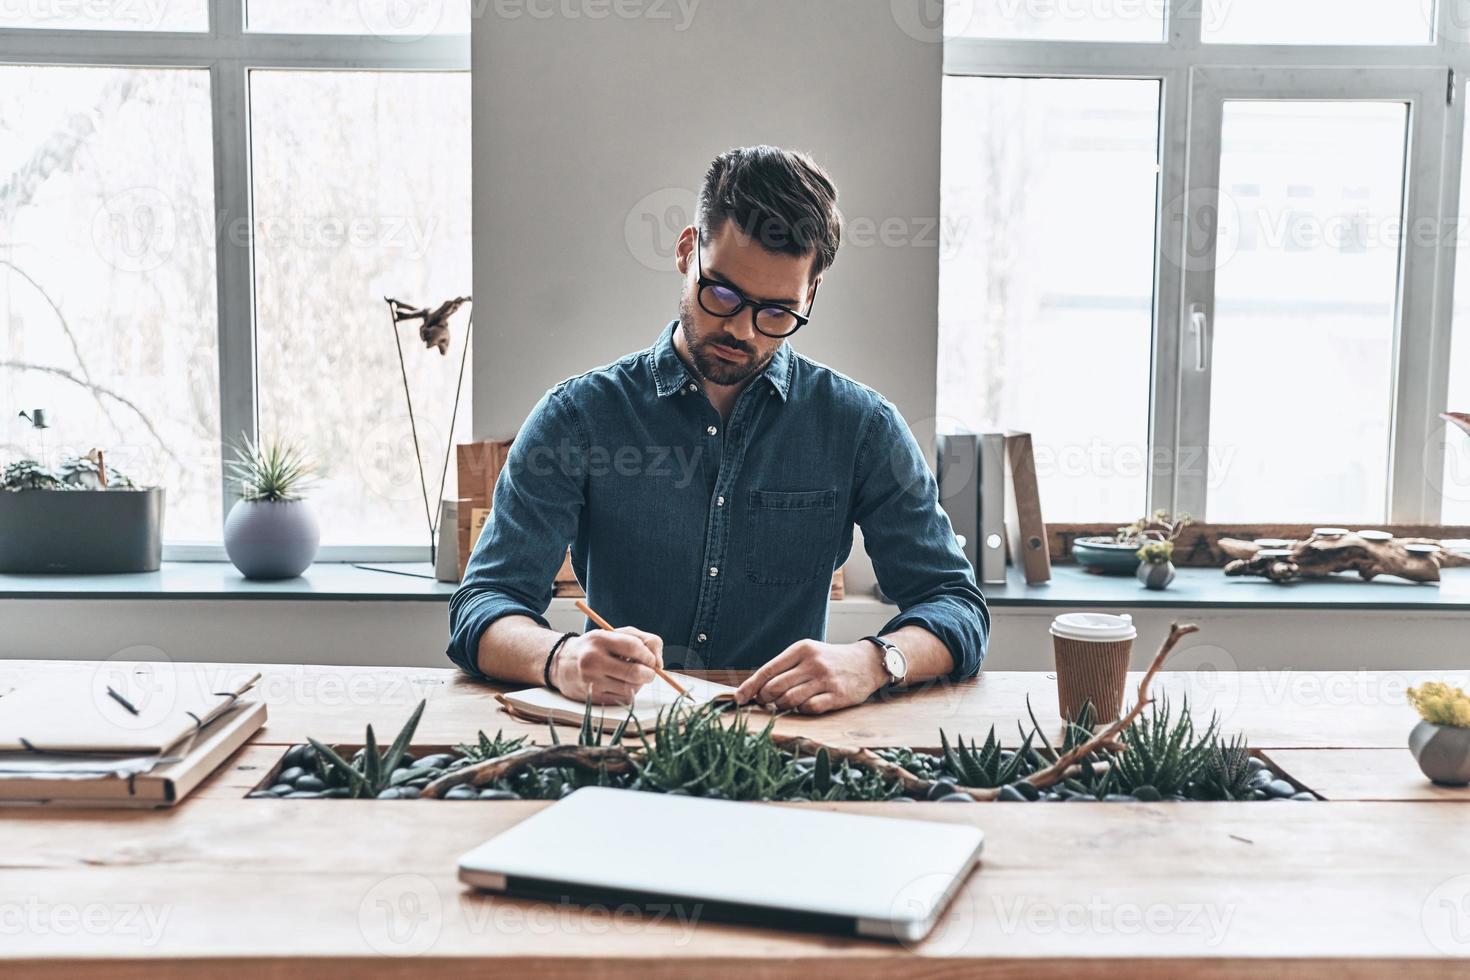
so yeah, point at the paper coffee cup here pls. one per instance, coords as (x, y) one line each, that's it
(1092, 653)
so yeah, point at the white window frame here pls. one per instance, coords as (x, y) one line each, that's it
(229, 52)
(1431, 77)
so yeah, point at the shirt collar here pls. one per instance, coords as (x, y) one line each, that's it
(670, 373)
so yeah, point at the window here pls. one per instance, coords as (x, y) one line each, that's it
(185, 256)
(1254, 257)
(1045, 278)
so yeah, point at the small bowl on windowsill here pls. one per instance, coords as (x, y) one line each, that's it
(1102, 555)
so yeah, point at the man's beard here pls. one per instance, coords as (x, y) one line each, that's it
(709, 365)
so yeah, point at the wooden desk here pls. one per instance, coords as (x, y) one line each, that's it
(227, 886)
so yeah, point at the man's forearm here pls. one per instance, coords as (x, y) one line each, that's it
(514, 648)
(926, 654)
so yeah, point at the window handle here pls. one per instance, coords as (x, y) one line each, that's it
(1199, 326)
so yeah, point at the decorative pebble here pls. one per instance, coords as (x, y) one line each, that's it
(1082, 798)
(291, 775)
(434, 761)
(1304, 796)
(311, 784)
(297, 755)
(390, 793)
(1280, 789)
(281, 789)
(408, 793)
(1119, 798)
(462, 792)
(1012, 795)
(499, 794)
(337, 793)
(1027, 790)
(1255, 764)
(1147, 794)
(261, 794)
(302, 796)
(956, 798)
(942, 788)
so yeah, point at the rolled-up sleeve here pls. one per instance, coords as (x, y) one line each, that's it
(916, 557)
(539, 497)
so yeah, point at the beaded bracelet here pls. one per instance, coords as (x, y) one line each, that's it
(546, 668)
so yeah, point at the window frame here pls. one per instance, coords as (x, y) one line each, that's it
(1184, 66)
(229, 53)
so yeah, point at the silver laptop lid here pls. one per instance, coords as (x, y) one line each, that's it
(891, 877)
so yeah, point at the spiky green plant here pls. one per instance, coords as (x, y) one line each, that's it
(270, 471)
(486, 748)
(696, 752)
(1226, 773)
(1162, 751)
(987, 766)
(372, 771)
(846, 782)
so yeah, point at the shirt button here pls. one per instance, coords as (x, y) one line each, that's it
(702, 638)
(712, 430)
(713, 571)
(690, 388)
(719, 501)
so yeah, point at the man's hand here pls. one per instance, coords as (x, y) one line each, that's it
(610, 665)
(813, 677)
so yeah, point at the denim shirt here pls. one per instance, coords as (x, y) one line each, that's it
(720, 538)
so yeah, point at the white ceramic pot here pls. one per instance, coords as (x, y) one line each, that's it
(271, 539)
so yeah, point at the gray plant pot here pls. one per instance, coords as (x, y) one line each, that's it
(81, 532)
(1155, 575)
(1443, 752)
(271, 539)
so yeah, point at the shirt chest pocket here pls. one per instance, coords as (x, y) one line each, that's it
(793, 535)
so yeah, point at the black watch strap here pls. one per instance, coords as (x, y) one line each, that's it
(883, 647)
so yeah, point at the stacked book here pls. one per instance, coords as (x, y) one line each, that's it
(123, 735)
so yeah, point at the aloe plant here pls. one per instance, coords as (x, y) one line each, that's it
(485, 747)
(987, 766)
(372, 771)
(1163, 751)
(695, 753)
(1226, 773)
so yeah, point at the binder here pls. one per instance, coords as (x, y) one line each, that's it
(992, 546)
(972, 492)
(1024, 525)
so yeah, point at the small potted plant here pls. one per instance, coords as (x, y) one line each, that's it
(1121, 552)
(1155, 552)
(271, 532)
(85, 518)
(1441, 740)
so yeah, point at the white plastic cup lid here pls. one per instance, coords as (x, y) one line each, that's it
(1094, 627)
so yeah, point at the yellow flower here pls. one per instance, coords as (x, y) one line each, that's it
(1441, 704)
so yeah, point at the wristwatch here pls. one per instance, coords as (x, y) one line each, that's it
(895, 664)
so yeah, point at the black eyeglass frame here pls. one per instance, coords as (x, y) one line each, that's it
(705, 282)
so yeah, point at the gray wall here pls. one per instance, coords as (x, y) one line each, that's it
(591, 137)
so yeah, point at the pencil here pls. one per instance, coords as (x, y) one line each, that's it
(592, 615)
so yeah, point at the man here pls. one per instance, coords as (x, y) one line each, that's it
(708, 486)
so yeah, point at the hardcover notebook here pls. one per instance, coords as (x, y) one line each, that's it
(542, 704)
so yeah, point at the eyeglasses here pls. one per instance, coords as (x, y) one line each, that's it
(723, 300)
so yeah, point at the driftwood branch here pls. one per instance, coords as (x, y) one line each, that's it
(1108, 737)
(1320, 557)
(613, 758)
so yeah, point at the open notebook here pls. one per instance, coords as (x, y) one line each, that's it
(541, 704)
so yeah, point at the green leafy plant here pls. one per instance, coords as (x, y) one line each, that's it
(1162, 751)
(846, 782)
(270, 471)
(371, 771)
(987, 766)
(1441, 704)
(1226, 773)
(485, 747)
(85, 472)
(695, 752)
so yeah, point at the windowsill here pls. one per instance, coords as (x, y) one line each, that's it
(1194, 588)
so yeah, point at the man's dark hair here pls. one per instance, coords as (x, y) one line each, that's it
(779, 199)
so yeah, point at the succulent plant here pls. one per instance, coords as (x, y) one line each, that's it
(1162, 751)
(695, 752)
(372, 771)
(1441, 704)
(83, 472)
(27, 474)
(1226, 774)
(486, 748)
(270, 471)
(987, 766)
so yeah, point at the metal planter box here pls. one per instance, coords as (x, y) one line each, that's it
(81, 531)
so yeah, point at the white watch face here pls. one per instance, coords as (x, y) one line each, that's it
(895, 664)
